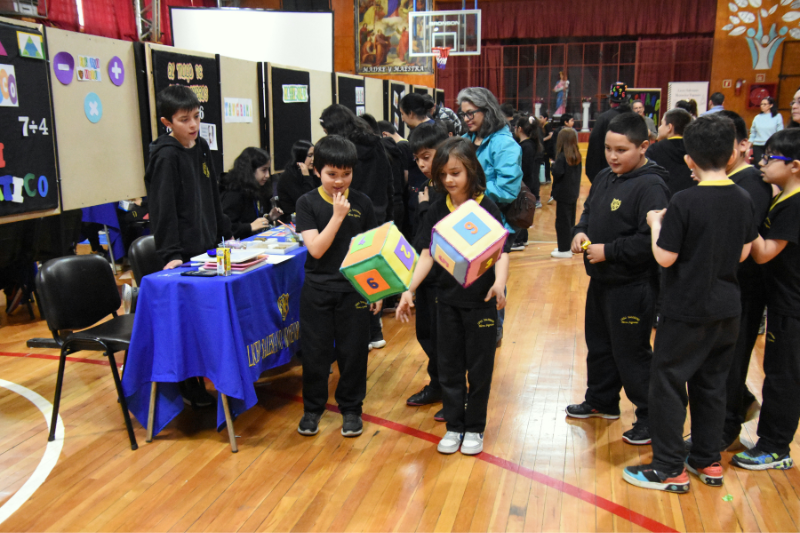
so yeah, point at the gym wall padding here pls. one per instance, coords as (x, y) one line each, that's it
(374, 95)
(321, 96)
(346, 90)
(290, 122)
(239, 80)
(98, 162)
(27, 152)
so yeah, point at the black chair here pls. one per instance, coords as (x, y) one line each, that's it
(143, 258)
(76, 292)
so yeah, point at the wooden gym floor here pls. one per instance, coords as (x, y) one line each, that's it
(539, 470)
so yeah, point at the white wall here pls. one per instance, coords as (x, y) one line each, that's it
(302, 40)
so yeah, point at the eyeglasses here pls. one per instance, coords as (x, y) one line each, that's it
(768, 158)
(469, 115)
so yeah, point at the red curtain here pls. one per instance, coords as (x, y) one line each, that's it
(539, 19)
(110, 18)
(166, 23)
(62, 14)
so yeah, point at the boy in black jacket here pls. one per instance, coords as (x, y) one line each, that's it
(620, 302)
(668, 152)
(700, 239)
(185, 211)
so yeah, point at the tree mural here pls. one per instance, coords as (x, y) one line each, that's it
(763, 44)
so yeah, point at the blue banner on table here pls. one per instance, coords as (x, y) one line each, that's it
(228, 329)
(27, 143)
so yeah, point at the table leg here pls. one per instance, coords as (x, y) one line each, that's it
(229, 423)
(152, 411)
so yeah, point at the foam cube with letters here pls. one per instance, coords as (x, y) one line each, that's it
(380, 262)
(468, 242)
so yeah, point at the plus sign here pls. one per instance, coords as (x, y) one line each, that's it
(116, 70)
(93, 109)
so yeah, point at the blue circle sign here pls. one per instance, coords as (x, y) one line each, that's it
(93, 108)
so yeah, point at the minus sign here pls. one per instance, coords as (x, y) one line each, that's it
(63, 67)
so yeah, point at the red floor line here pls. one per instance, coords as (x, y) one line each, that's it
(561, 486)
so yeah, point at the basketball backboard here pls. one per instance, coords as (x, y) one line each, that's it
(458, 30)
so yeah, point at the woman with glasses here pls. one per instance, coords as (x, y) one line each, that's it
(769, 121)
(795, 123)
(497, 151)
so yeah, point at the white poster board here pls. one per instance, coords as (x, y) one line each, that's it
(688, 90)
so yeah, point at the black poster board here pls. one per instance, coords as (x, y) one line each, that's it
(396, 93)
(346, 92)
(438, 96)
(263, 105)
(291, 121)
(28, 180)
(420, 90)
(201, 74)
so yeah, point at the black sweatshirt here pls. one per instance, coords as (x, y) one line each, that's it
(566, 180)
(596, 152)
(185, 210)
(292, 184)
(615, 214)
(397, 161)
(372, 175)
(242, 210)
(669, 154)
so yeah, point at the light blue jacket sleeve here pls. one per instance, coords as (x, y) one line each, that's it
(506, 164)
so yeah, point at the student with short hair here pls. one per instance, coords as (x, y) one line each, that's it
(334, 317)
(669, 152)
(186, 215)
(779, 248)
(620, 302)
(700, 239)
(567, 171)
(715, 104)
(467, 317)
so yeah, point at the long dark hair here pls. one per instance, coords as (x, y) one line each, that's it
(771, 101)
(531, 127)
(242, 175)
(463, 150)
(337, 119)
(299, 153)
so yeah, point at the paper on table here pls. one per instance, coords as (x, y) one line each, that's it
(237, 256)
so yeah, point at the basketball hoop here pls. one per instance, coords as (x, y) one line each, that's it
(441, 53)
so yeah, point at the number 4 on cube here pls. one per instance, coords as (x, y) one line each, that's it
(468, 242)
(379, 263)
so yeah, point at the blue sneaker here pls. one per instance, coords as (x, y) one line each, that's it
(647, 477)
(757, 459)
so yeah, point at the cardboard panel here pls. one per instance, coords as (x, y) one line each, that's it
(239, 89)
(99, 144)
(321, 96)
(375, 101)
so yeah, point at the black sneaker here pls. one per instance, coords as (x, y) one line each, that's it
(647, 477)
(584, 410)
(439, 416)
(426, 396)
(638, 435)
(757, 459)
(195, 394)
(352, 425)
(309, 424)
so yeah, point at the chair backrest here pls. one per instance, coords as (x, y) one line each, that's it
(77, 291)
(143, 258)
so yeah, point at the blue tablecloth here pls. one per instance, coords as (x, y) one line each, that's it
(107, 214)
(228, 329)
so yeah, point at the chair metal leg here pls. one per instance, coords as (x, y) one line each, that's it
(57, 399)
(229, 423)
(122, 401)
(152, 411)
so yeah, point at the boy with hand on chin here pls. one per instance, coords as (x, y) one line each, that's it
(620, 302)
(700, 239)
(334, 318)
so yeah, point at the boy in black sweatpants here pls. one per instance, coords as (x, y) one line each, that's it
(700, 239)
(779, 248)
(334, 318)
(620, 302)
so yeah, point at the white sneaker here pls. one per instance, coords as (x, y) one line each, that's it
(561, 255)
(450, 442)
(472, 444)
(555, 249)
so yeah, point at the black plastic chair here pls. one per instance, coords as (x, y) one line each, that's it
(76, 292)
(143, 258)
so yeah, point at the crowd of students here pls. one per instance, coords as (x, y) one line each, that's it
(652, 242)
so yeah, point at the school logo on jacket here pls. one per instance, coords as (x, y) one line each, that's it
(633, 320)
(362, 305)
(767, 223)
(486, 323)
(354, 213)
(283, 305)
(770, 337)
(206, 172)
(615, 204)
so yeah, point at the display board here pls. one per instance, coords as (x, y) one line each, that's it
(28, 178)
(420, 89)
(438, 96)
(96, 104)
(303, 40)
(323, 97)
(652, 102)
(688, 90)
(290, 112)
(374, 94)
(240, 117)
(351, 93)
(199, 72)
(393, 92)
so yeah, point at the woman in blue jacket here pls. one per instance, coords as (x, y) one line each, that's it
(498, 152)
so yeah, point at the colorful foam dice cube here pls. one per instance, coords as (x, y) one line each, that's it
(380, 262)
(467, 242)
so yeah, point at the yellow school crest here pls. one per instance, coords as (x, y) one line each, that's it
(615, 204)
(206, 172)
(283, 305)
(632, 320)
